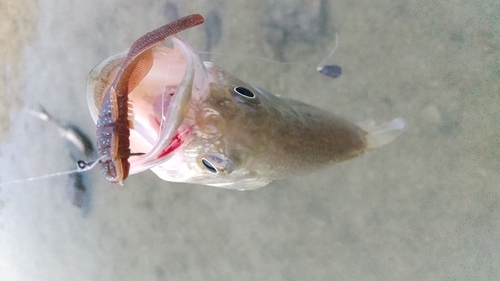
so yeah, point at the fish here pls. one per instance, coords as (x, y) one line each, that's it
(191, 121)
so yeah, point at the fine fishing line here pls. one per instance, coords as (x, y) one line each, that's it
(80, 169)
(308, 65)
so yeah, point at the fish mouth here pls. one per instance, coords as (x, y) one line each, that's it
(161, 106)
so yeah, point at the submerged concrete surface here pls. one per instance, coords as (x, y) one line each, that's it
(423, 208)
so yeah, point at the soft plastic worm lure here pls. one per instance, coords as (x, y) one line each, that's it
(114, 123)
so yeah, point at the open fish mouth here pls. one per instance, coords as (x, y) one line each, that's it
(161, 105)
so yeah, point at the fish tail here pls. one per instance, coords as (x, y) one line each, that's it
(380, 135)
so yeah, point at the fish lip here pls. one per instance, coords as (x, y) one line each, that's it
(173, 114)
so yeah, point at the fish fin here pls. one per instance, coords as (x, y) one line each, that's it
(382, 134)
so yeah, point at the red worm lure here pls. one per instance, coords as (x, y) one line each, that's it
(115, 113)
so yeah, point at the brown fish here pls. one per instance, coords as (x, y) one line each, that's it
(197, 123)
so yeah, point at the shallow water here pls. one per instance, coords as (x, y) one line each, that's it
(423, 208)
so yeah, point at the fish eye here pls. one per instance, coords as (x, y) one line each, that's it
(217, 163)
(245, 96)
(208, 165)
(244, 92)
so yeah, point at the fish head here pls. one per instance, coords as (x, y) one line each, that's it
(227, 147)
(185, 117)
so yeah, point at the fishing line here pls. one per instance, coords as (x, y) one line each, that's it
(318, 68)
(82, 167)
(252, 57)
(163, 117)
(321, 64)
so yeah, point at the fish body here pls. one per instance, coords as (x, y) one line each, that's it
(197, 123)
